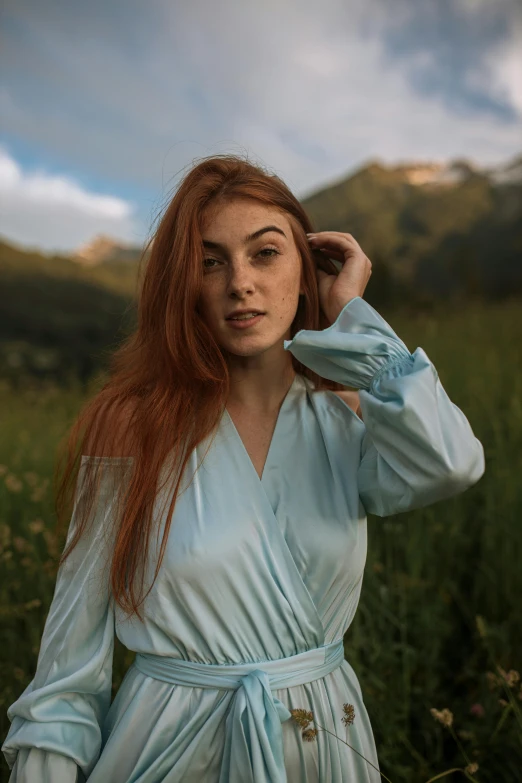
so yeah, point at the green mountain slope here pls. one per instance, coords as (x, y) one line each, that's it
(58, 319)
(457, 234)
(434, 233)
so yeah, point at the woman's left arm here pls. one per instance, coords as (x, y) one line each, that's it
(418, 446)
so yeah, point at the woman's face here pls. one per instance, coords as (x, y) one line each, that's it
(263, 273)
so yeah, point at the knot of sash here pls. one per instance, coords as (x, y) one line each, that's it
(253, 751)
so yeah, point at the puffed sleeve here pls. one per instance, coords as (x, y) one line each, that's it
(55, 732)
(418, 446)
(44, 766)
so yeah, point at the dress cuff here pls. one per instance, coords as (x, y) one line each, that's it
(34, 764)
(356, 350)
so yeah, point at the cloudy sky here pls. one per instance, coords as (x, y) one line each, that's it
(105, 104)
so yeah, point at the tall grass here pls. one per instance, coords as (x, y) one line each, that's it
(415, 643)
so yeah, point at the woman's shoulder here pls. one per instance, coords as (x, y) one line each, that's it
(350, 397)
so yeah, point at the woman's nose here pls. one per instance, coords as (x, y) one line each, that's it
(240, 279)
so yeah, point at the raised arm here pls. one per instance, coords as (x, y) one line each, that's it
(417, 446)
(55, 733)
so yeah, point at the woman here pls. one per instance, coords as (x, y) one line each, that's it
(253, 427)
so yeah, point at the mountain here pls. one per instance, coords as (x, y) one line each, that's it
(58, 319)
(434, 232)
(508, 174)
(431, 230)
(414, 205)
(103, 249)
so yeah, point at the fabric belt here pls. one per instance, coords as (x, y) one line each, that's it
(253, 751)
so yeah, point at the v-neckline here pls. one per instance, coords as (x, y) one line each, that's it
(271, 447)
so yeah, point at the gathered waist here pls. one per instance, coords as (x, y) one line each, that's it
(282, 672)
(256, 755)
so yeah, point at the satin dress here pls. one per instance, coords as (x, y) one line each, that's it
(259, 584)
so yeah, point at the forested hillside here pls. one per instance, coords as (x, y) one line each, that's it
(437, 236)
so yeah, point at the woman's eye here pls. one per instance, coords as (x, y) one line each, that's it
(270, 250)
(264, 250)
(205, 262)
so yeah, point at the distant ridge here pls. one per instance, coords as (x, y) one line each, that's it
(421, 176)
(458, 171)
(433, 230)
(104, 248)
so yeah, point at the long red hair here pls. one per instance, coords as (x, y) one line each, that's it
(168, 380)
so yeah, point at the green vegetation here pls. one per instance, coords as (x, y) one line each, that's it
(414, 643)
(60, 321)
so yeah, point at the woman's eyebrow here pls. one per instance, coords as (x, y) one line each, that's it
(248, 238)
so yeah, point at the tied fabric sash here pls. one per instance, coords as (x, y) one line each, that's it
(253, 751)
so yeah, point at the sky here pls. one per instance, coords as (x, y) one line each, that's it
(105, 105)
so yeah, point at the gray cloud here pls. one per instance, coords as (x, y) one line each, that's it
(134, 93)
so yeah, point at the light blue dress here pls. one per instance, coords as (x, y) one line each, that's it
(259, 584)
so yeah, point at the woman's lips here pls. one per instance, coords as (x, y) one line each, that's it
(244, 323)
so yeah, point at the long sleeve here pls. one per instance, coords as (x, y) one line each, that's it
(418, 446)
(56, 722)
(44, 766)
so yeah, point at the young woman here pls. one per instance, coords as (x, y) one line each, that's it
(261, 409)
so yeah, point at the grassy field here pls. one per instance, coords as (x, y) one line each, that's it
(441, 601)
